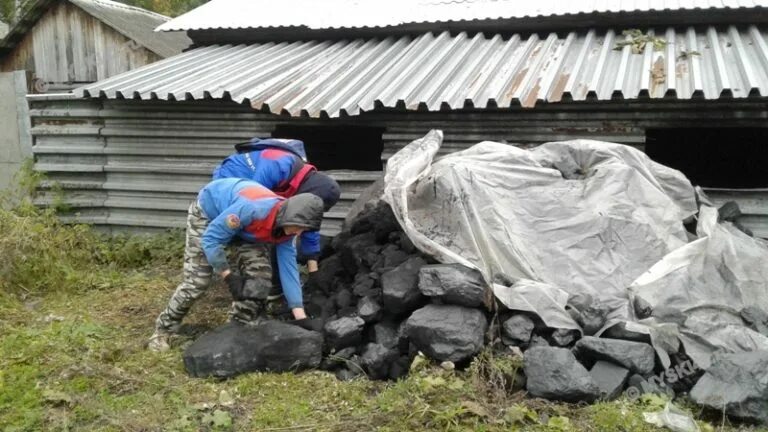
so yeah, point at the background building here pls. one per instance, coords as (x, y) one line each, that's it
(684, 81)
(57, 45)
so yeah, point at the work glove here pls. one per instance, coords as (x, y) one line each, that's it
(311, 284)
(311, 324)
(257, 289)
(236, 285)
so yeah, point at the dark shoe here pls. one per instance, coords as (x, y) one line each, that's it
(311, 324)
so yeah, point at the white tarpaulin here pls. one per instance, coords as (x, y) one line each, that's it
(575, 219)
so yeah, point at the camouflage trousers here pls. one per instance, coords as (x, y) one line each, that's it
(253, 261)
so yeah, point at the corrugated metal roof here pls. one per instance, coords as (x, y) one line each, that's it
(132, 22)
(329, 14)
(440, 71)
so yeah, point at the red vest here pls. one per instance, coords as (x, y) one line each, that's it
(288, 189)
(263, 229)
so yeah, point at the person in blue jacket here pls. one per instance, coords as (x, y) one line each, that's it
(229, 210)
(281, 166)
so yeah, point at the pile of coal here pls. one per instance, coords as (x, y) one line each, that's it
(382, 301)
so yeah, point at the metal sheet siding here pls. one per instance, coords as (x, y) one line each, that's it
(334, 14)
(137, 164)
(437, 72)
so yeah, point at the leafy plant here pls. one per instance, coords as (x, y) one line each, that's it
(638, 41)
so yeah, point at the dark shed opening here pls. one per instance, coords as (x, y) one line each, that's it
(713, 157)
(338, 147)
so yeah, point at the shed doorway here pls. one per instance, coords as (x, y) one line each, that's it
(733, 158)
(338, 147)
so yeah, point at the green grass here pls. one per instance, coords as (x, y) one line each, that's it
(76, 310)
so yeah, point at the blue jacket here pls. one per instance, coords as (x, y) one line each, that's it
(272, 168)
(242, 208)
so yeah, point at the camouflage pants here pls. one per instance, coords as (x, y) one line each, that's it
(252, 261)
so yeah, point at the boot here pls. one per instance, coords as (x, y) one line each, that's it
(158, 342)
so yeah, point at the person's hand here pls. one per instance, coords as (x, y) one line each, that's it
(235, 283)
(312, 265)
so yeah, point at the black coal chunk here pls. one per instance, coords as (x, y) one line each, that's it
(619, 331)
(364, 285)
(353, 251)
(369, 309)
(517, 330)
(344, 299)
(377, 359)
(344, 332)
(400, 293)
(377, 218)
(554, 373)
(324, 279)
(610, 378)
(635, 356)
(338, 359)
(391, 256)
(447, 332)
(736, 383)
(640, 386)
(399, 368)
(563, 337)
(453, 284)
(233, 349)
(385, 333)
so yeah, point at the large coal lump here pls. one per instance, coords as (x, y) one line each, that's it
(737, 383)
(447, 332)
(344, 332)
(635, 356)
(517, 330)
(377, 218)
(610, 378)
(234, 348)
(453, 284)
(399, 287)
(377, 360)
(554, 373)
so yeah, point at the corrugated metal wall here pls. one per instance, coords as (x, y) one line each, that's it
(140, 165)
(129, 164)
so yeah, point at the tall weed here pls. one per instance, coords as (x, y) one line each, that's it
(39, 253)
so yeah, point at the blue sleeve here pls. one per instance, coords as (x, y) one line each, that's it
(310, 244)
(220, 232)
(289, 274)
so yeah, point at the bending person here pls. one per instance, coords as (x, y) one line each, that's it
(280, 165)
(236, 209)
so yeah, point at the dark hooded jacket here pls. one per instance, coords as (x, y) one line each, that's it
(303, 210)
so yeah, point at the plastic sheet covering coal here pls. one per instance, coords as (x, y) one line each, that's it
(582, 221)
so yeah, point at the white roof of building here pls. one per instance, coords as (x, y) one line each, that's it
(337, 14)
